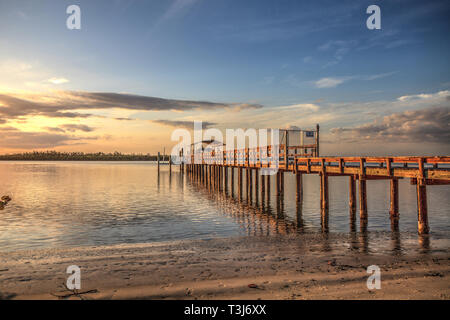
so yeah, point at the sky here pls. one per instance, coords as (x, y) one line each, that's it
(138, 70)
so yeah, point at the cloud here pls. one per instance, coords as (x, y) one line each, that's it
(301, 107)
(58, 80)
(422, 96)
(332, 82)
(55, 129)
(379, 76)
(62, 104)
(77, 127)
(16, 139)
(182, 123)
(425, 125)
(329, 82)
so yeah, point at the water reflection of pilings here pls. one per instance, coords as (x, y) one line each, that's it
(258, 215)
(257, 218)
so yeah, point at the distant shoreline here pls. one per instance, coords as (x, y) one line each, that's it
(81, 156)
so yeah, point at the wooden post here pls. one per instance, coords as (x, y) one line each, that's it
(256, 185)
(278, 183)
(170, 165)
(250, 180)
(158, 162)
(324, 197)
(317, 140)
(286, 151)
(232, 179)
(263, 187)
(268, 189)
(324, 191)
(394, 199)
(219, 177)
(422, 208)
(352, 196)
(225, 176)
(240, 183)
(282, 183)
(362, 199)
(299, 192)
(210, 176)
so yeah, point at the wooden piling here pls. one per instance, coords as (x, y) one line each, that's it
(158, 162)
(170, 165)
(362, 199)
(394, 198)
(324, 191)
(250, 181)
(282, 183)
(422, 208)
(299, 189)
(240, 183)
(352, 196)
(256, 185)
(232, 179)
(263, 188)
(278, 178)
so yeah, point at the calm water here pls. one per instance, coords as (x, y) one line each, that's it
(57, 204)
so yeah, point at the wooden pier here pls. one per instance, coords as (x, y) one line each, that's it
(215, 167)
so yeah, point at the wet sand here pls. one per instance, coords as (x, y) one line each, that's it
(308, 266)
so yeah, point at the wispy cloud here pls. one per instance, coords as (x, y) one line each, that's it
(329, 82)
(332, 82)
(182, 123)
(63, 103)
(421, 96)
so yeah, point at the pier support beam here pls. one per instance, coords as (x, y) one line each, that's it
(282, 183)
(263, 188)
(362, 199)
(324, 200)
(278, 183)
(394, 199)
(299, 181)
(352, 203)
(240, 183)
(352, 195)
(232, 180)
(247, 179)
(422, 208)
(250, 186)
(268, 189)
(158, 162)
(225, 177)
(256, 185)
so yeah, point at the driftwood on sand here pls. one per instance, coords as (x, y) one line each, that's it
(4, 201)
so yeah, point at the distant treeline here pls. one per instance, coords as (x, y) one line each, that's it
(81, 156)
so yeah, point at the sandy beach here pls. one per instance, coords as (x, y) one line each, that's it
(310, 266)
